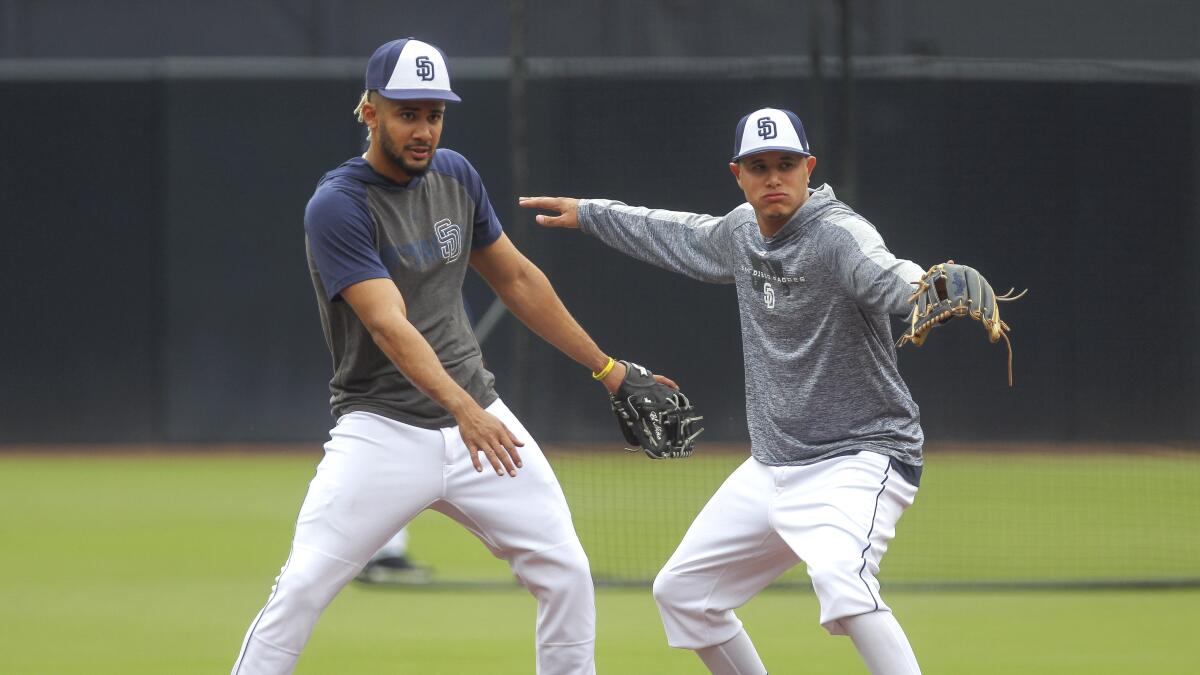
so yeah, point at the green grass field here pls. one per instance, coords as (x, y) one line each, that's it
(137, 564)
(985, 517)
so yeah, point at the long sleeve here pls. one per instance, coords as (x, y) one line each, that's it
(689, 243)
(865, 268)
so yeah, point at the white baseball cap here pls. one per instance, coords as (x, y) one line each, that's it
(769, 129)
(408, 69)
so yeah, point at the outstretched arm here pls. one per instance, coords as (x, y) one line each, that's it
(689, 243)
(877, 280)
(527, 293)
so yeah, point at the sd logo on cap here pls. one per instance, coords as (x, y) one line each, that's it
(769, 129)
(408, 69)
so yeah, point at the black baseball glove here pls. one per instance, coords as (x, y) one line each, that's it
(654, 417)
(947, 291)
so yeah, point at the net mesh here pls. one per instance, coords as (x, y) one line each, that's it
(995, 515)
(995, 157)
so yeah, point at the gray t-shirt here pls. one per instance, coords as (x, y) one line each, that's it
(361, 225)
(815, 300)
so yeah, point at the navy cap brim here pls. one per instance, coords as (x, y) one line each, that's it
(781, 148)
(420, 95)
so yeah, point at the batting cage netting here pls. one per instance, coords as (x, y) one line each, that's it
(998, 161)
(994, 516)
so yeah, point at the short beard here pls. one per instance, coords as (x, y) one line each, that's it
(389, 151)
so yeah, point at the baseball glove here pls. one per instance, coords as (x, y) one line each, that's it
(653, 416)
(947, 291)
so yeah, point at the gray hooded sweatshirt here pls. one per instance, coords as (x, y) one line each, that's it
(815, 300)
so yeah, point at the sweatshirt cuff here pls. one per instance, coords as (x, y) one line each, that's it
(585, 211)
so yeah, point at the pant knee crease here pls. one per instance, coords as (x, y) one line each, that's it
(540, 551)
(326, 555)
(568, 644)
(272, 645)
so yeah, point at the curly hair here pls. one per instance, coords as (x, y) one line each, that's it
(366, 98)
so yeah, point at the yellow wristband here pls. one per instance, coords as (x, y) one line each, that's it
(606, 370)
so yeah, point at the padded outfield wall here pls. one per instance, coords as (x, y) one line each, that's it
(157, 291)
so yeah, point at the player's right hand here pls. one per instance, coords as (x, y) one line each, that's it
(567, 208)
(483, 432)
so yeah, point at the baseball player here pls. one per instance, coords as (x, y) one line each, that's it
(835, 435)
(389, 236)
(391, 564)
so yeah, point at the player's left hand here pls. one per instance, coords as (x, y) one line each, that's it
(616, 376)
(654, 415)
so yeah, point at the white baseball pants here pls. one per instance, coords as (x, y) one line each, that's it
(837, 516)
(377, 474)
